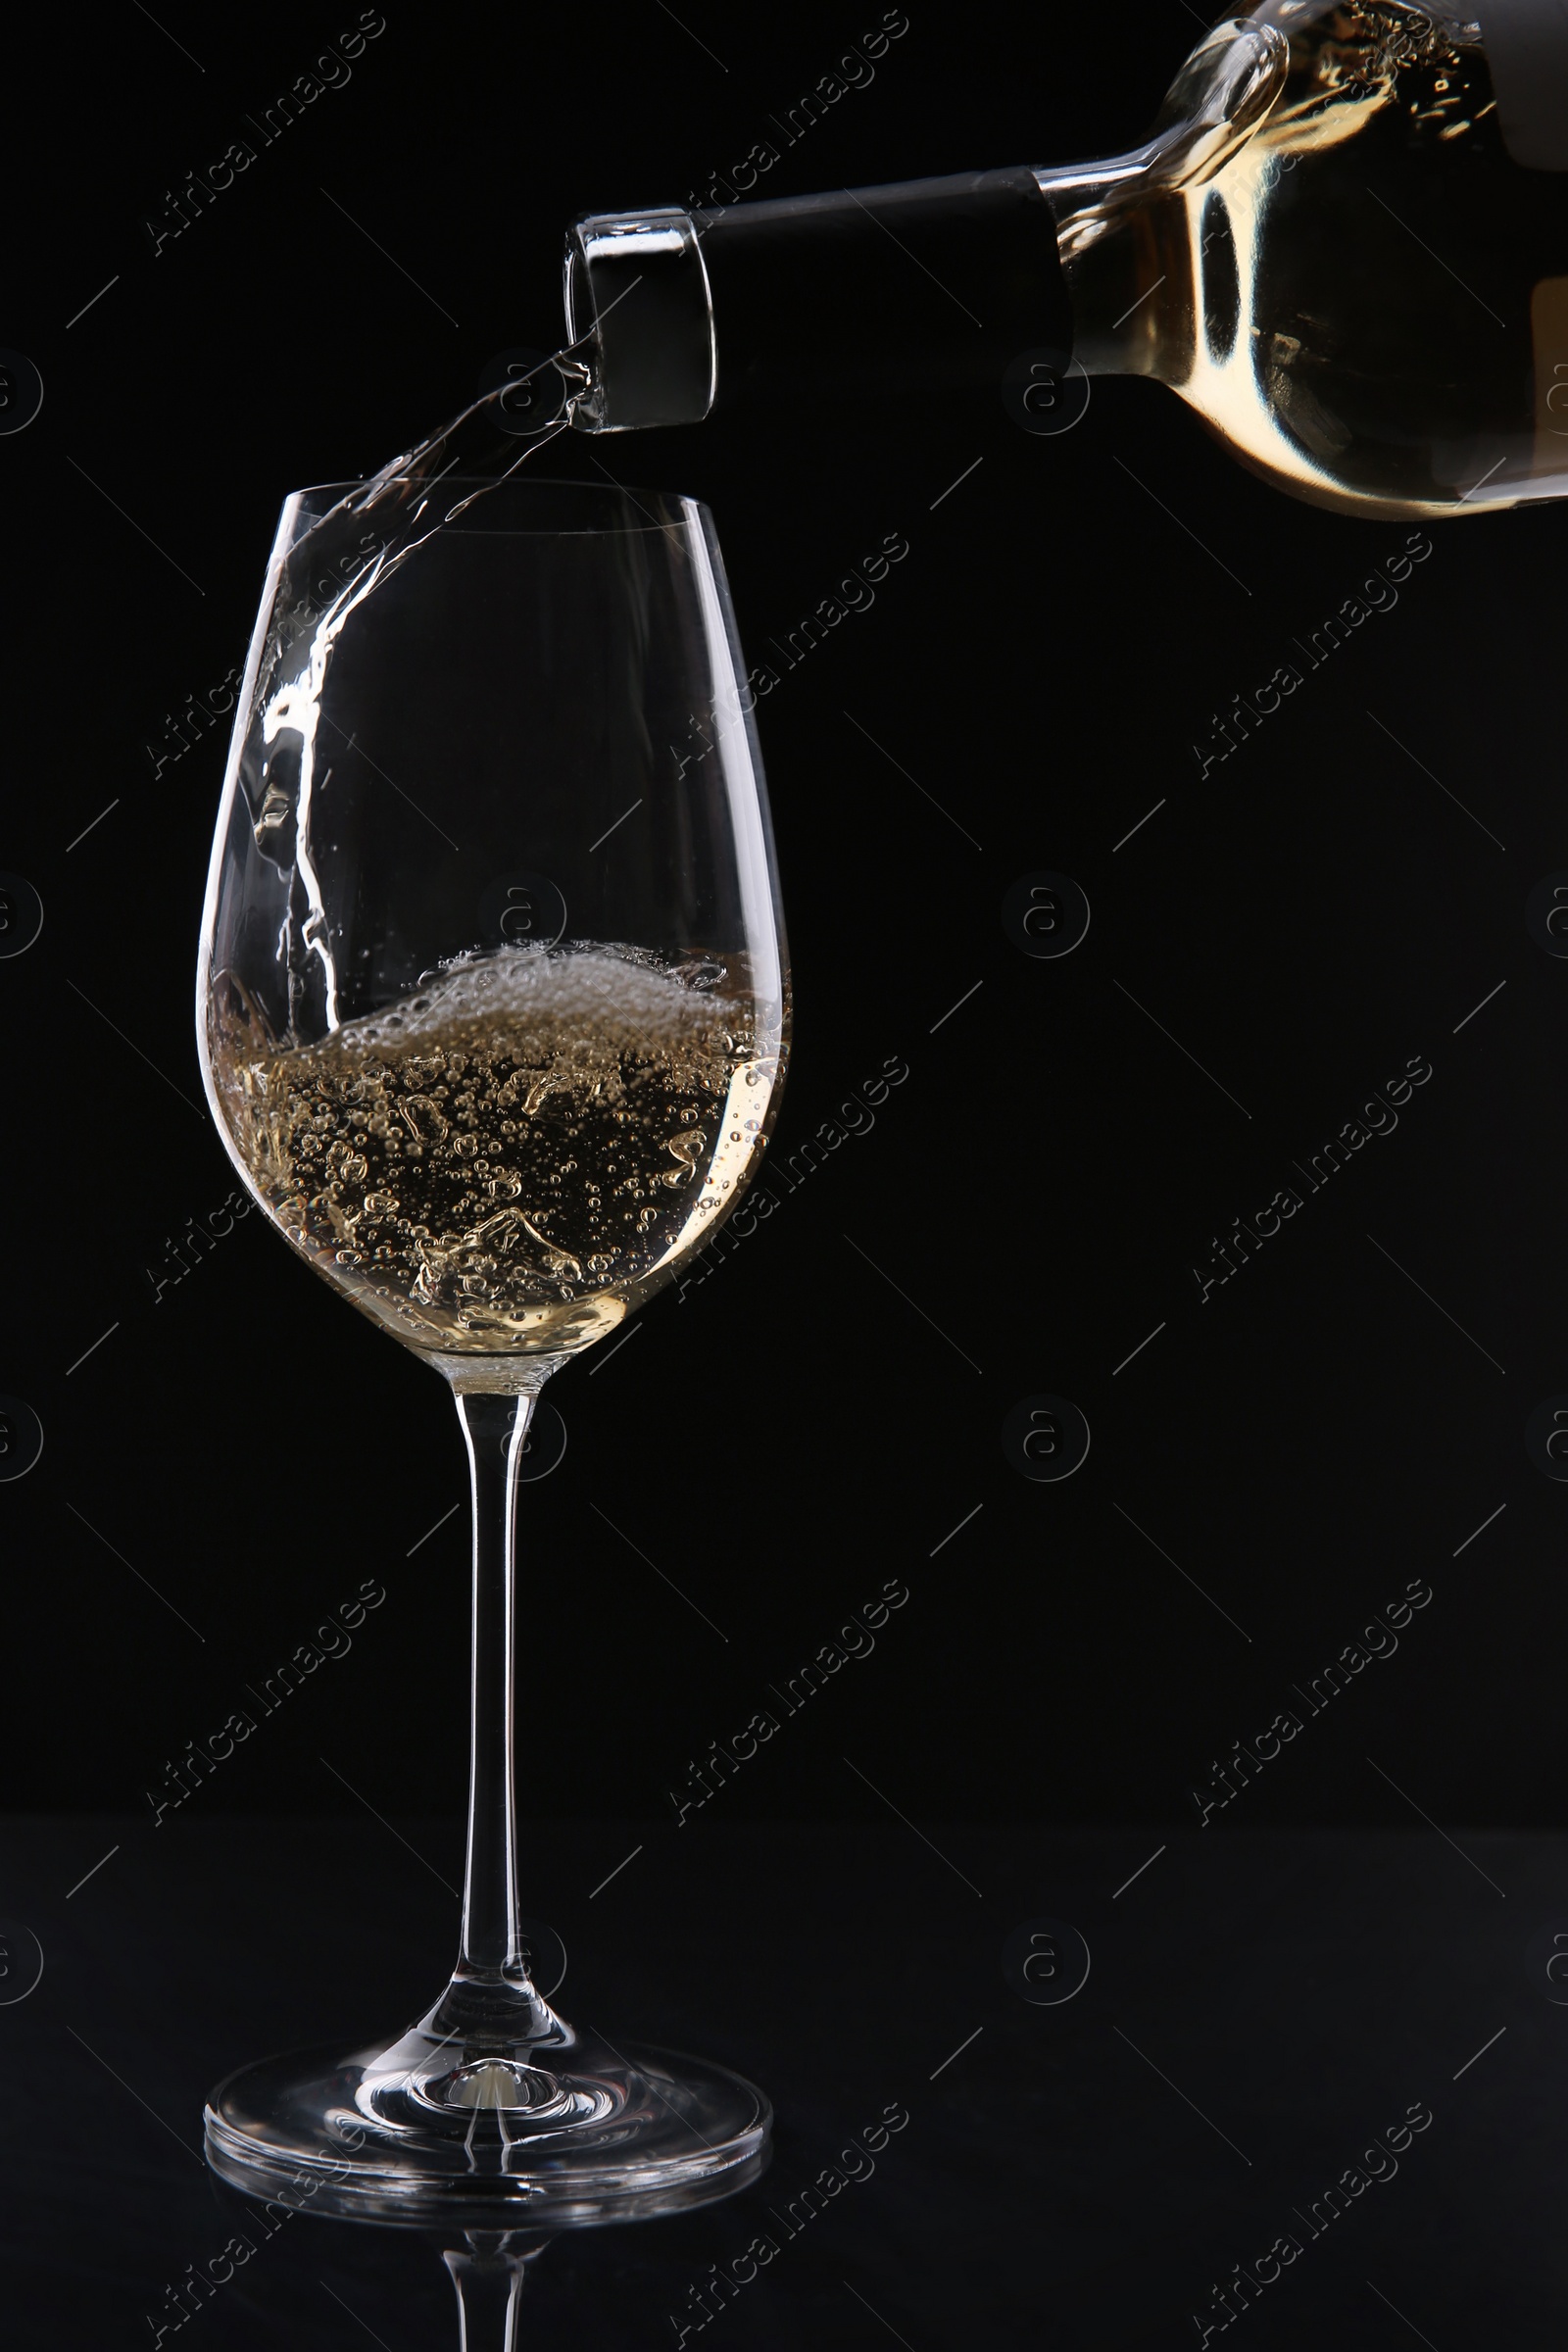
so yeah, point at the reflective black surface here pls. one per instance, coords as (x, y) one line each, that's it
(1266, 2015)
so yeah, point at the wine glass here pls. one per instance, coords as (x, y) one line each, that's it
(492, 1013)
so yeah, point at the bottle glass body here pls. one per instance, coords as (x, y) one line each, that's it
(1329, 251)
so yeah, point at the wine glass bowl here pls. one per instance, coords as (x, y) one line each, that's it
(493, 978)
(492, 1010)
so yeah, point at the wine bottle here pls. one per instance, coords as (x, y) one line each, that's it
(1346, 245)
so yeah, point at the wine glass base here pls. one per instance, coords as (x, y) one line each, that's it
(602, 2135)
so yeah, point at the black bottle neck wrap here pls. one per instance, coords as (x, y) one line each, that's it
(865, 296)
(878, 294)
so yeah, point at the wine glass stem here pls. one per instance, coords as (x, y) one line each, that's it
(488, 2288)
(496, 1429)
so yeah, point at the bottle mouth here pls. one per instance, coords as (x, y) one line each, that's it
(637, 294)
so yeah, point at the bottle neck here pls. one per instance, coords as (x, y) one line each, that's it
(917, 290)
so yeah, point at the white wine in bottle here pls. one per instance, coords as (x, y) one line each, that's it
(1345, 246)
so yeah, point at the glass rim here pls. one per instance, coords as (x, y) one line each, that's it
(539, 484)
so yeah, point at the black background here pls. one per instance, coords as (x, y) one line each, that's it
(802, 1427)
(236, 1456)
